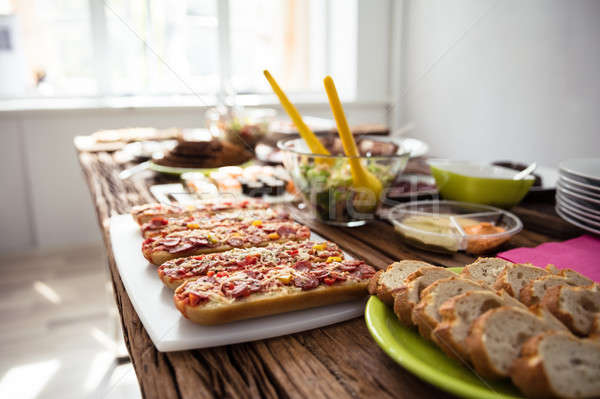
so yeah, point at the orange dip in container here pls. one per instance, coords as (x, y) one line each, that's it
(477, 245)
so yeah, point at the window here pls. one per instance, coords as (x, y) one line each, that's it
(161, 47)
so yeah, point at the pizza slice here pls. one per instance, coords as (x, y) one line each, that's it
(228, 296)
(159, 226)
(145, 213)
(221, 238)
(176, 271)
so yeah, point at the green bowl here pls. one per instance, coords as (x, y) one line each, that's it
(479, 183)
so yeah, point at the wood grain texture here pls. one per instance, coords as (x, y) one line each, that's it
(332, 362)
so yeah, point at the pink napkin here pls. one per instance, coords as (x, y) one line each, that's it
(581, 254)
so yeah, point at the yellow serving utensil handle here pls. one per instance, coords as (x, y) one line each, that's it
(358, 172)
(316, 147)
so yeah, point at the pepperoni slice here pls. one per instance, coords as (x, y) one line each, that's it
(303, 232)
(181, 248)
(255, 239)
(239, 290)
(198, 241)
(347, 267)
(171, 241)
(366, 271)
(302, 265)
(319, 273)
(235, 242)
(353, 262)
(306, 282)
(338, 276)
(269, 228)
(254, 286)
(285, 230)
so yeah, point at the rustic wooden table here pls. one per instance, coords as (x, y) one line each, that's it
(336, 361)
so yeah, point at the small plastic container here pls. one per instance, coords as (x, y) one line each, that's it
(450, 226)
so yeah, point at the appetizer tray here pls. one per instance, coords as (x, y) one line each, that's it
(422, 358)
(169, 331)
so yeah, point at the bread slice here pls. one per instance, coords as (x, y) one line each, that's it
(485, 270)
(496, 338)
(458, 314)
(514, 278)
(264, 304)
(595, 332)
(408, 295)
(551, 321)
(393, 278)
(577, 307)
(426, 314)
(374, 282)
(556, 364)
(534, 291)
(576, 278)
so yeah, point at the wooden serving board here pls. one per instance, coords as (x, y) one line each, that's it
(170, 331)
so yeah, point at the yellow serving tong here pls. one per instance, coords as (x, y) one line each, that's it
(315, 146)
(362, 178)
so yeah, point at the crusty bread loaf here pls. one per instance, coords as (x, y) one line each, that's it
(556, 364)
(514, 277)
(393, 278)
(534, 291)
(485, 270)
(408, 295)
(458, 314)
(258, 305)
(426, 314)
(496, 338)
(577, 307)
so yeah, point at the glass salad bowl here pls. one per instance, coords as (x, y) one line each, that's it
(326, 184)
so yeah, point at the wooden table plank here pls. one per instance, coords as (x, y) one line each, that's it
(336, 361)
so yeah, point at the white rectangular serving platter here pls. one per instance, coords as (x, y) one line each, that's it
(170, 331)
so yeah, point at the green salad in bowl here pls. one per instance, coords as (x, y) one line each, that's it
(326, 182)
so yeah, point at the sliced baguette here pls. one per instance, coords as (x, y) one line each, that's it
(496, 338)
(264, 304)
(393, 278)
(558, 365)
(577, 307)
(485, 270)
(407, 296)
(534, 291)
(513, 278)
(458, 314)
(426, 314)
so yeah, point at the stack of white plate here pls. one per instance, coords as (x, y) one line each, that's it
(578, 193)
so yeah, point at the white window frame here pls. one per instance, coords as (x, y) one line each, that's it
(376, 85)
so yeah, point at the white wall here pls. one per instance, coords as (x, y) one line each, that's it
(45, 202)
(506, 79)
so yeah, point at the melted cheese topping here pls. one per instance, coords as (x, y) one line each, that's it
(270, 256)
(235, 235)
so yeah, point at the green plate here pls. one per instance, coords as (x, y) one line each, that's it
(424, 359)
(171, 170)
